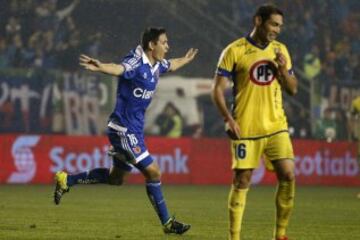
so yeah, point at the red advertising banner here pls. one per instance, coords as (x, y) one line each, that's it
(318, 162)
(35, 159)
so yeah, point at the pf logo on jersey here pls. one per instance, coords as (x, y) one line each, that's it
(262, 72)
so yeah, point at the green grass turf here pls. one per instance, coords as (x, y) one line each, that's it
(108, 212)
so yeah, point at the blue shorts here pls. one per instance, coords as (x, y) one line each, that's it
(130, 145)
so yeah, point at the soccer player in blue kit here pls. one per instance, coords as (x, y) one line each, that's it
(138, 75)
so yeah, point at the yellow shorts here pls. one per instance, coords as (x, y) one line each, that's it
(246, 154)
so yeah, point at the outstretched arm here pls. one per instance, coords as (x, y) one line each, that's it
(95, 65)
(177, 63)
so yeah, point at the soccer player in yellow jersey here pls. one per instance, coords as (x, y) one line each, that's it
(355, 117)
(259, 68)
(355, 125)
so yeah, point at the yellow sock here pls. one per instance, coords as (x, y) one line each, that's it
(236, 205)
(284, 204)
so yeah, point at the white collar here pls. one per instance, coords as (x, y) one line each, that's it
(140, 51)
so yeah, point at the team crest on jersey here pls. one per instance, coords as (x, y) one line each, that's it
(137, 149)
(262, 72)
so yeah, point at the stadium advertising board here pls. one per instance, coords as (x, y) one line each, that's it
(46, 102)
(82, 103)
(25, 102)
(35, 159)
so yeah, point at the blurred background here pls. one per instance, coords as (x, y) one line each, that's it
(53, 117)
(43, 89)
(44, 92)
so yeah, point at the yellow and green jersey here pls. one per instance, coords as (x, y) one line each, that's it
(257, 106)
(355, 105)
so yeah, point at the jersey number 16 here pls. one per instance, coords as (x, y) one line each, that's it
(240, 150)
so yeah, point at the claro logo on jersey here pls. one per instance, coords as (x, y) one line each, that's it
(143, 93)
(262, 72)
(24, 159)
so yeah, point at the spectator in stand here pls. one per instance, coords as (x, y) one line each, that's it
(300, 124)
(13, 27)
(354, 65)
(342, 60)
(15, 51)
(312, 63)
(4, 59)
(49, 17)
(48, 48)
(170, 121)
(29, 53)
(325, 128)
(93, 44)
(68, 55)
(342, 126)
(64, 31)
(328, 75)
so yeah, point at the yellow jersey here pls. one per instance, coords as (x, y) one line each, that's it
(257, 106)
(355, 105)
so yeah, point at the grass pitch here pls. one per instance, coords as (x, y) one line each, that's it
(124, 213)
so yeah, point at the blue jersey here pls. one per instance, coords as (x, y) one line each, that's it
(135, 90)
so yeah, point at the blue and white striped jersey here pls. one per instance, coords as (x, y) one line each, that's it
(135, 90)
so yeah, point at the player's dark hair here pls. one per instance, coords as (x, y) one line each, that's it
(265, 11)
(151, 34)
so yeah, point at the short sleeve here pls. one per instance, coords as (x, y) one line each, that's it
(226, 62)
(130, 63)
(164, 66)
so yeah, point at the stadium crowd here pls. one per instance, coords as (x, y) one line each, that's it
(323, 37)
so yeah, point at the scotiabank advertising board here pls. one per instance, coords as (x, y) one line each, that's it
(35, 159)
